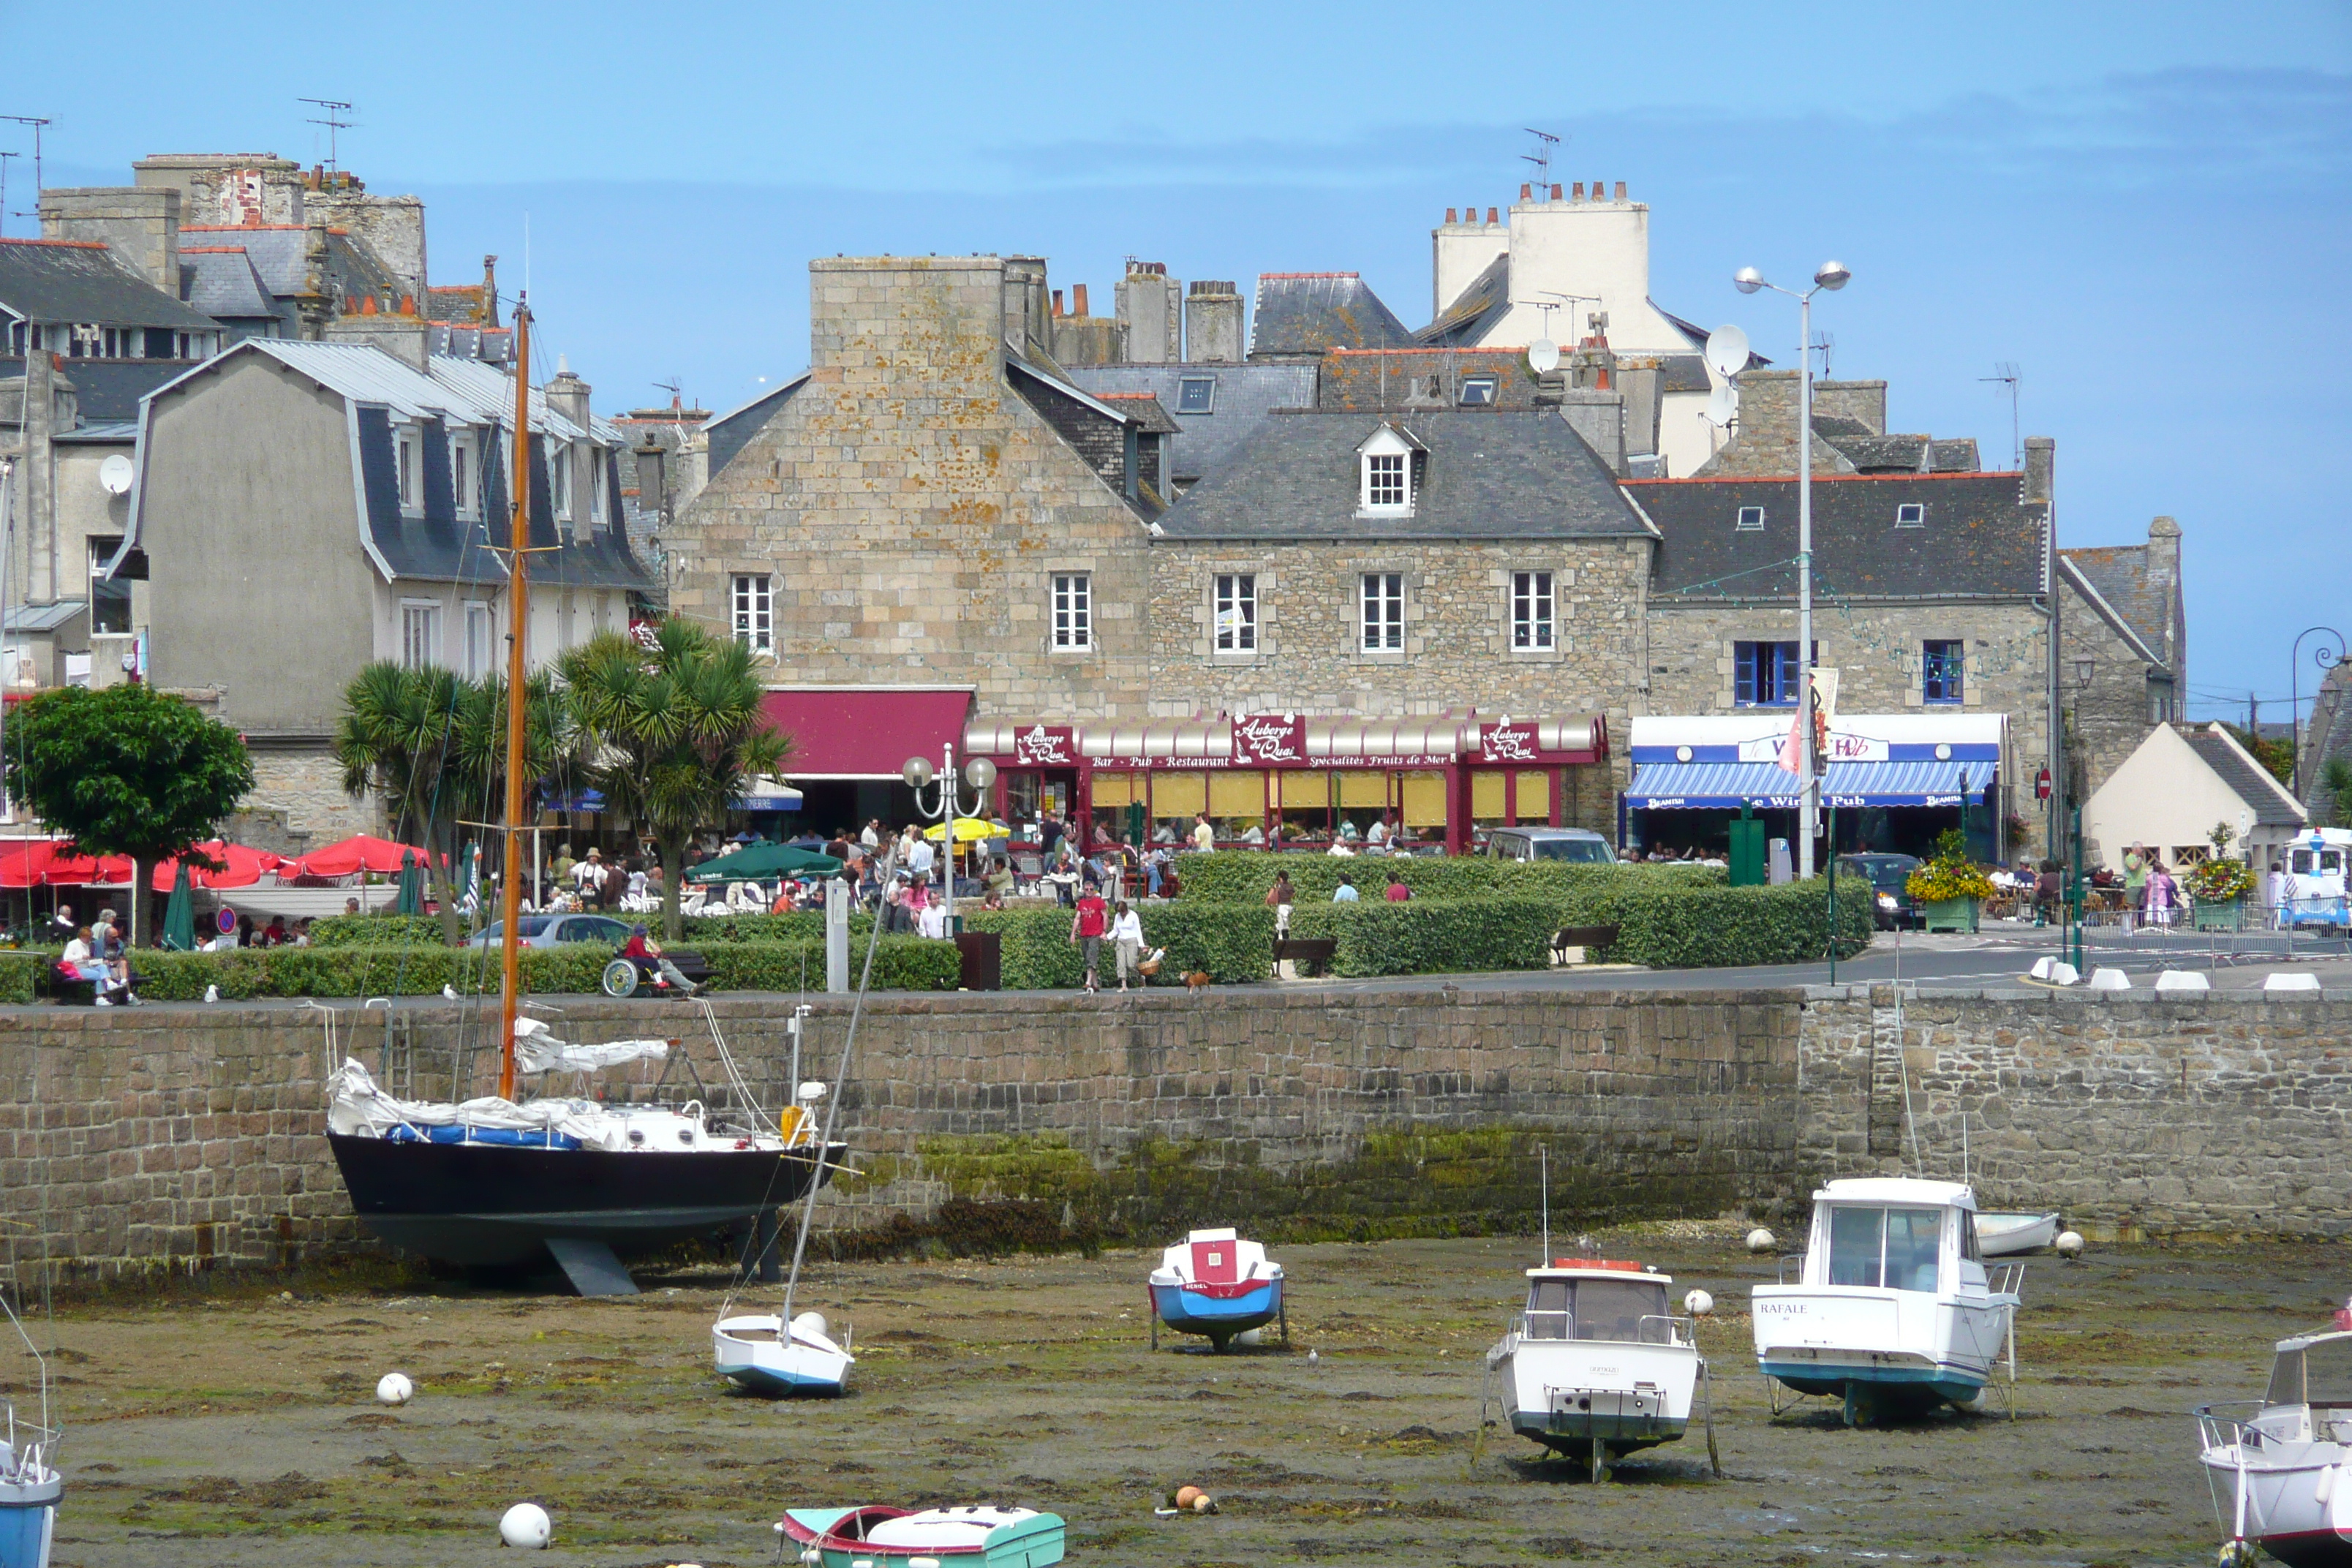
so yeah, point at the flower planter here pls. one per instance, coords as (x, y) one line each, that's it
(2220, 914)
(1951, 914)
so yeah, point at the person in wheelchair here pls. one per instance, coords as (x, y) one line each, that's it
(646, 955)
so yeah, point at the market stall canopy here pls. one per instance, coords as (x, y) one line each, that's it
(360, 852)
(864, 731)
(758, 862)
(244, 868)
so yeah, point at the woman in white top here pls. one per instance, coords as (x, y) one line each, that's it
(1127, 938)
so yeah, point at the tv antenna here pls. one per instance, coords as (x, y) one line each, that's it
(36, 122)
(2005, 373)
(4, 188)
(1541, 156)
(1825, 343)
(333, 118)
(671, 387)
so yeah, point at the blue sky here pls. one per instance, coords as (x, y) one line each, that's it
(2147, 207)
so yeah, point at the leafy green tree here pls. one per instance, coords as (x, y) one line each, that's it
(672, 734)
(2336, 786)
(127, 771)
(433, 748)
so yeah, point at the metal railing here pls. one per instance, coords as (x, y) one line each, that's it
(2215, 1430)
(2005, 1280)
(1553, 1327)
(1792, 1263)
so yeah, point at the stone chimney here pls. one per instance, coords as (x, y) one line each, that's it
(37, 480)
(2163, 580)
(1764, 442)
(141, 227)
(1599, 417)
(1212, 323)
(232, 190)
(878, 324)
(1151, 318)
(2041, 465)
(405, 337)
(1028, 324)
(1863, 402)
(567, 394)
(653, 485)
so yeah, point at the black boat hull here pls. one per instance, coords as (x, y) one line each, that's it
(489, 1205)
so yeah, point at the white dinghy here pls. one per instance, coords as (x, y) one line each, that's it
(2277, 1466)
(2007, 1234)
(1892, 1308)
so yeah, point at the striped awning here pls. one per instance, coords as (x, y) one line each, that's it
(1168, 738)
(1383, 737)
(1716, 786)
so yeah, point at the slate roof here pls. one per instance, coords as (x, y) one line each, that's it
(2119, 574)
(106, 391)
(1399, 378)
(1478, 474)
(2108, 612)
(2326, 737)
(1698, 336)
(1150, 418)
(1245, 395)
(220, 282)
(1301, 314)
(1485, 301)
(1687, 373)
(1979, 541)
(732, 430)
(2253, 783)
(80, 280)
(275, 253)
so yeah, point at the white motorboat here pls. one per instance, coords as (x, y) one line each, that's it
(1598, 1365)
(1893, 1307)
(2277, 1466)
(31, 1486)
(2007, 1234)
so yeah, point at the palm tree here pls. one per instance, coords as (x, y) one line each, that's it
(433, 747)
(672, 734)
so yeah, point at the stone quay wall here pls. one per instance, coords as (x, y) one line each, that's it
(170, 1137)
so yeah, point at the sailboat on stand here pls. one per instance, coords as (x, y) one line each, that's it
(492, 1182)
(779, 1352)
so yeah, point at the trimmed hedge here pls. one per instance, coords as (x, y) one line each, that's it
(374, 931)
(1720, 927)
(1433, 936)
(20, 974)
(903, 963)
(1242, 877)
(424, 931)
(1234, 942)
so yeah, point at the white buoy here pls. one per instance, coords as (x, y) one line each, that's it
(1250, 1336)
(393, 1388)
(1760, 1240)
(2069, 1244)
(2104, 979)
(2182, 983)
(525, 1525)
(2284, 980)
(1698, 1303)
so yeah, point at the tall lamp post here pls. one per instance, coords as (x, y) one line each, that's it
(2327, 659)
(1832, 276)
(979, 773)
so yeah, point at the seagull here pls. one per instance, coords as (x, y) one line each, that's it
(448, 993)
(1314, 1356)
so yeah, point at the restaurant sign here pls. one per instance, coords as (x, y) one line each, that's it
(1045, 746)
(1269, 738)
(1841, 747)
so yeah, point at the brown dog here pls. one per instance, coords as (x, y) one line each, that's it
(1197, 981)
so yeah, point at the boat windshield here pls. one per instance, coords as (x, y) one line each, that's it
(1598, 1310)
(2318, 1374)
(1889, 1248)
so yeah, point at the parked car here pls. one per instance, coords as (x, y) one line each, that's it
(1887, 874)
(1576, 844)
(554, 931)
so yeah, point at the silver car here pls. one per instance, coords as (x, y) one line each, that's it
(1576, 845)
(554, 931)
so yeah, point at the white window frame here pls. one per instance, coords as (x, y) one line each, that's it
(1911, 514)
(481, 640)
(1749, 520)
(1479, 392)
(1232, 608)
(1184, 385)
(753, 600)
(1073, 608)
(420, 633)
(1535, 612)
(403, 444)
(1379, 617)
(597, 487)
(1384, 475)
(559, 479)
(464, 490)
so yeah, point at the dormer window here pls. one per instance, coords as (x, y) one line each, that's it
(1477, 391)
(1386, 481)
(1911, 514)
(1751, 519)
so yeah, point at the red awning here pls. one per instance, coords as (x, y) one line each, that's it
(87, 870)
(360, 852)
(25, 861)
(864, 731)
(244, 868)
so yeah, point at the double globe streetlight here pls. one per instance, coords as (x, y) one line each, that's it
(979, 773)
(1833, 276)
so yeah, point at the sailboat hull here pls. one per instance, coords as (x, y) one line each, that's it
(487, 1205)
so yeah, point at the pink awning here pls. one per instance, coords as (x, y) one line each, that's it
(864, 731)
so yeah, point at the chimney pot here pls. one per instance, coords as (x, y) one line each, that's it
(1555, 192)
(1490, 215)
(1058, 302)
(1597, 188)
(1077, 299)
(408, 304)
(1526, 192)
(1579, 190)
(1621, 190)
(367, 306)
(1449, 214)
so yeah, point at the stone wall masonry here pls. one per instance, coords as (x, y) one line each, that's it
(134, 1141)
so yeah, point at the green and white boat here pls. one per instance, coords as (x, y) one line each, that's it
(980, 1536)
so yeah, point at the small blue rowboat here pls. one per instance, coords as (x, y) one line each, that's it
(1214, 1283)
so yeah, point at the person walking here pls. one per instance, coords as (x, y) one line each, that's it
(1398, 892)
(1204, 835)
(2162, 894)
(1279, 899)
(1345, 893)
(1127, 942)
(1087, 923)
(2136, 863)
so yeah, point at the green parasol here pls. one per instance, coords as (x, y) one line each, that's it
(179, 913)
(410, 903)
(758, 862)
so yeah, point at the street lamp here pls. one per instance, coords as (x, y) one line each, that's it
(979, 773)
(1831, 276)
(2327, 659)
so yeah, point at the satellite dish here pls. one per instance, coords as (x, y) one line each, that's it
(1723, 405)
(1727, 351)
(1543, 355)
(114, 475)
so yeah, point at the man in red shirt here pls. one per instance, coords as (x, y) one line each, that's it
(1087, 927)
(1398, 891)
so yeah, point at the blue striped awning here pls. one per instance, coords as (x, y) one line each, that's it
(1701, 786)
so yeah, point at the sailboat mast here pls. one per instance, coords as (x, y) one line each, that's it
(518, 625)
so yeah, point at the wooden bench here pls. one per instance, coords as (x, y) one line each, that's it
(1586, 937)
(1309, 954)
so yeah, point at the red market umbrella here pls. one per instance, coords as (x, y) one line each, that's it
(87, 871)
(359, 853)
(244, 868)
(25, 861)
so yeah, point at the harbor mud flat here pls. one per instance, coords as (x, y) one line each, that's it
(237, 1425)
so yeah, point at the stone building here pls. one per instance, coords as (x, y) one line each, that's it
(2123, 648)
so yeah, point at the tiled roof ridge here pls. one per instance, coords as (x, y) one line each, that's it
(258, 228)
(212, 251)
(66, 244)
(1263, 276)
(1904, 478)
(1425, 349)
